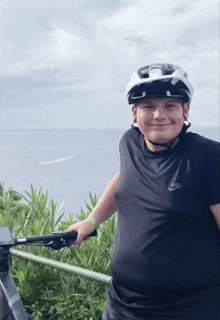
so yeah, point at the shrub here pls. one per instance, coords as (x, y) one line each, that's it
(49, 293)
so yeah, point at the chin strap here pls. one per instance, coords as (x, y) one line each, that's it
(171, 144)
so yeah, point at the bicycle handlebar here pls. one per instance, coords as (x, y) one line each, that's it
(71, 235)
(55, 240)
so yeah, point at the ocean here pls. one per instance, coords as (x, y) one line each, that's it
(69, 163)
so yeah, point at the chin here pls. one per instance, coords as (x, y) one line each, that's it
(160, 139)
(162, 136)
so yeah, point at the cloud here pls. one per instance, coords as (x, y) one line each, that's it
(83, 52)
(49, 34)
(52, 50)
(61, 47)
(159, 27)
(184, 34)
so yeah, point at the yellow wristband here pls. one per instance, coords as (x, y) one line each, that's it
(94, 223)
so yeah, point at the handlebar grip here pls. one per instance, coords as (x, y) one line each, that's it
(93, 234)
(73, 234)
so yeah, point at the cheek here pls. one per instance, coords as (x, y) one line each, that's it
(179, 119)
(143, 122)
(143, 117)
(176, 117)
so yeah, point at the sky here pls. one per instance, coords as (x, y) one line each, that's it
(65, 64)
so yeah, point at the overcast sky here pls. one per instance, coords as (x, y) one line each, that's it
(66, 63)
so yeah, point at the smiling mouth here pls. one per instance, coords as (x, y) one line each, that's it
(160, 125)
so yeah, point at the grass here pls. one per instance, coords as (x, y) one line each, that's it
(49, 293)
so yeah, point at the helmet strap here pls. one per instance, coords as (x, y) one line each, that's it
(169, 145)
(172, 143)
(187, 124)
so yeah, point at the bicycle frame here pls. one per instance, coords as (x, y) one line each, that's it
(11, 307)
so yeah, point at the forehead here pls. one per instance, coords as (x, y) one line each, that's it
(160, 100)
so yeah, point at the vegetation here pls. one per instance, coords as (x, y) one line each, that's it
(49, 293)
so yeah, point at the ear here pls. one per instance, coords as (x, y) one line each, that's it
(186, 108)
(134, 113)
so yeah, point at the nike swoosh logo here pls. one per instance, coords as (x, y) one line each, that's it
(174, 186)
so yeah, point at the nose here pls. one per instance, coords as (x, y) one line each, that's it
(159, 114)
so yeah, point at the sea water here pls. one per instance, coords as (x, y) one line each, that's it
(69, 163)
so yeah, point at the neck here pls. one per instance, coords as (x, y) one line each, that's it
(153, 147)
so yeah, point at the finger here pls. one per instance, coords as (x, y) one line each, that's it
(78, 244)
(71, 228)
(79, 239)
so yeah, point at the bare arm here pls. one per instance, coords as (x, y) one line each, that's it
(104, 209)
(216, 212)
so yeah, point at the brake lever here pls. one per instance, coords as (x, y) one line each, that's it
(57, 244)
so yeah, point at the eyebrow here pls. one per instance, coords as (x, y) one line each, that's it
(152, 102)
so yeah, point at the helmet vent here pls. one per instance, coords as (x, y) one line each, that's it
(156, 72)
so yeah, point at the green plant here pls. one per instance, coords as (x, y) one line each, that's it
(49, 293)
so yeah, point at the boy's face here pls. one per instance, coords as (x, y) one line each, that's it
(160, 119)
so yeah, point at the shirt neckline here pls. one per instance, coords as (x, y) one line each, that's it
(156, 154)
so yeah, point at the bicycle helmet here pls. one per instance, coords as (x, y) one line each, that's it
(159, 80)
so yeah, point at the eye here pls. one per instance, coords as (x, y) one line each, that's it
(171, 106)
(148, 107)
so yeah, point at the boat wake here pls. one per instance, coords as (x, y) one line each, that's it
(56, 160)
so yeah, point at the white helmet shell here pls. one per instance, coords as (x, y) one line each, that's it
(159, 80)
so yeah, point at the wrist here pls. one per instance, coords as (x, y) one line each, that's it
(93, 222)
